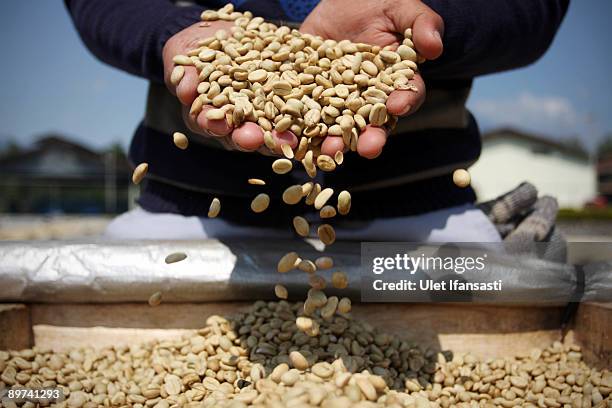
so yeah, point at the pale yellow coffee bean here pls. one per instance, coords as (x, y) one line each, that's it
(278, 372)
(461, 178)
(360, 121)
(309, 307)
(293, 194)
(307, 188)
(322, 198)
(301, 226)
(311, 197)
(155, 299)
(237, 115)
(215, 114)
(327, 234)
(389, 57)
(215, 208)
(369, 68)
(177, 74)
(283, 124)
(207, 55)
(300, 153)
(309, 164)
(280, 291)
(378, 114)
(175, 257)
(287, 262)
(269, 140)
(407, 53)
(203, 87)
(317, 297)
(180, 140)
(324, 262)
(339, 157)
(293, 107)
(172, 383)
(290, 377)
(304, 323)
(344, 306)
(140, 172)
(298, 360)
(259, 75)
(260, 203)
(329, 309)
(257, 182)
(182, 60)
(282, 166)
(367, 389)
(307, 266)
(317, 282)
(326, 163)
(323, 369)
(327, 212)
(339, 280)
(344, 202)
(282, 88)
(287, 151)
(314, 330)
(312, 117)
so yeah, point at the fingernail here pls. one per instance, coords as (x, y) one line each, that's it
(406, 110)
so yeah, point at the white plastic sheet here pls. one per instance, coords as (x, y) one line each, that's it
(103, 271)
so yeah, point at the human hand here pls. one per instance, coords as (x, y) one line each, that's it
(246, 137)
(379, 23)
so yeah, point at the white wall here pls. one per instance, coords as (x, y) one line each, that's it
(504, 164)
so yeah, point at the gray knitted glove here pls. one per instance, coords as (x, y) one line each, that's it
(538, 223)
(524, 220)
(508, 209)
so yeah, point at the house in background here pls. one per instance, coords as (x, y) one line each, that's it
(510, 157)
(59, 176)
(604, 177)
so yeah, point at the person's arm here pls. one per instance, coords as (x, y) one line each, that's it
(483, 36)
(130, 35)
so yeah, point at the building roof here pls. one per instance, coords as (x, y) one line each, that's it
(54, 156)
(537, 140)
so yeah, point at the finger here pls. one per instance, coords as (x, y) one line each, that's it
(286, 137)
(191, 121)
(371, 142)
(331, 145)
(427, 32)
(403, 102)
(249, 136)
(218, 127)
(186, 90)
(266, 152)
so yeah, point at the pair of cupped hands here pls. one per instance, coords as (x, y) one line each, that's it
(362, 21)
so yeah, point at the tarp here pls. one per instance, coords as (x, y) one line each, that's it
(126, 271)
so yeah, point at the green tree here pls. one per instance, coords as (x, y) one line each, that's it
(10, 147)
(605, 146)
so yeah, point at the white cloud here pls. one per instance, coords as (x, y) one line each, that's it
(527, 109)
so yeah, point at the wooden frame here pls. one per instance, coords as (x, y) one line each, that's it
(486, 331)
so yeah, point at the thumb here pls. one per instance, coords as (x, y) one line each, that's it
(427, 28)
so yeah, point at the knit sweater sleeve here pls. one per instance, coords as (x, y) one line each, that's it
(130, 34)
(484, 36)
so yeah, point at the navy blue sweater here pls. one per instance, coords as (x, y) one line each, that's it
(481, 37)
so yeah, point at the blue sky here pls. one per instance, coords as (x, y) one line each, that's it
(50, 82)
